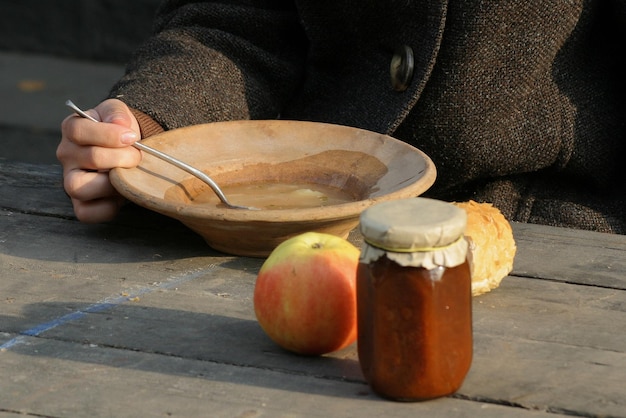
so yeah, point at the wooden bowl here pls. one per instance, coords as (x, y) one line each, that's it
(367, 166)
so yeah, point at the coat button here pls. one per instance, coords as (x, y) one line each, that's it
(401, 68)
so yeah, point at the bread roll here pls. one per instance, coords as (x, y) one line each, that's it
(491, 245)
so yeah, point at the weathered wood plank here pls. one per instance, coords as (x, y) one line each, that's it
(552, 346)
(57, 378)
(47, 260)
(525, 324)
(528, 353)
(569, 255)
(144, 300)
(33, 188)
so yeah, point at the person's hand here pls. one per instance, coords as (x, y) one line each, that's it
(88, 150)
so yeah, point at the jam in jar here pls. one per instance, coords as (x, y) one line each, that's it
(414, 299)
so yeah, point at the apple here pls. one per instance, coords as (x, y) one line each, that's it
(305, 294)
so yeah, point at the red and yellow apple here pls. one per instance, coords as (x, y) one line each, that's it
(305, 294)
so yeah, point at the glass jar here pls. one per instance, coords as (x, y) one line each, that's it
(414, 299)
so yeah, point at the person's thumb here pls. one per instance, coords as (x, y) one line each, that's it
(115, 111)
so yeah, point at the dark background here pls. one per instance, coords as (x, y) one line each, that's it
(98, 30)
(54, 50)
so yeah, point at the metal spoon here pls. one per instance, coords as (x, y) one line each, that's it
(165, 157)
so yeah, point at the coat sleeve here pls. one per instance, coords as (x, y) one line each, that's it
(212, 61)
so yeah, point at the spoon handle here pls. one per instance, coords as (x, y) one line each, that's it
(168, 158)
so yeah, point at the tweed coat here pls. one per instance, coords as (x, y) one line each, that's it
(520, 103)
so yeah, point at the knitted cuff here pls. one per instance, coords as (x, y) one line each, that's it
(147, 125)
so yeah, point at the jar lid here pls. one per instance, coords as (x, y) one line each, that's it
(410, 225)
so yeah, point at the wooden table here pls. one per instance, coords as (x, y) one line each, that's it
(141, 318)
